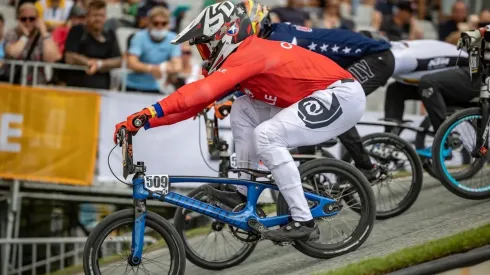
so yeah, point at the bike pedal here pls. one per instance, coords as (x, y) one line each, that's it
(257, 226)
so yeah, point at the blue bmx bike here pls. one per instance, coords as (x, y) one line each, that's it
(153, 245)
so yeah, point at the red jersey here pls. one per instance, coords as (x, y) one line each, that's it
(277, 73)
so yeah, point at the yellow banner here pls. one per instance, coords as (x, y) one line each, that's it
(48, 135)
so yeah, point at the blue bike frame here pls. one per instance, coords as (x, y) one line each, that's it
(236, 219)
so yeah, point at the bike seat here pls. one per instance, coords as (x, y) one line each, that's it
(253, 172)
(396, 120)
(329, 143)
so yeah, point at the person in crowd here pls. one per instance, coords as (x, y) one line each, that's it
(31, 41)
(89, 45)
(190, 70)
(292, 13)
(458, 17)
(149, 50)
(473, 23)
(402, 25)
(2, 24)
(144, 9)
(78, 16)
(54, 12)
(331, 17)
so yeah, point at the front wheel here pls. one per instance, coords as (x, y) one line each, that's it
(335, 178)
(163, 251)
(466, 179)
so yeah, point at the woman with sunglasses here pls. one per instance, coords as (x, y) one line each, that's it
(30, 40)
(151, 56)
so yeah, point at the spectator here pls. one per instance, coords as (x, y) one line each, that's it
(54, 12)
(77, 16)
(458, 16)
(292, 13)
(402, 25)
(332, 19)
(30, 40)
(143, 11)
(482, 20)
(190, 72)
(2, 24)
(89, 45)
(386, 7)
(148, 49)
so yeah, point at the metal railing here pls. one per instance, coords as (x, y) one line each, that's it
(120, 73)
(51, 254)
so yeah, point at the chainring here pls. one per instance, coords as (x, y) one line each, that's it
(250, 237)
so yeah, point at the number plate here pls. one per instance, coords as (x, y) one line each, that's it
(158, 184)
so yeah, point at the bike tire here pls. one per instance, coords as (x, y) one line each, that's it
(368, 216)
(416, 166)
(116, 219)
(448, 180)
(179, 223)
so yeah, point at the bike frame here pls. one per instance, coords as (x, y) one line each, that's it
(245, 219)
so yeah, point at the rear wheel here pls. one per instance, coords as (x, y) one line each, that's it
(334, 178)
(401, 185)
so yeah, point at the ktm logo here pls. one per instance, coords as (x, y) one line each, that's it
(439, 62)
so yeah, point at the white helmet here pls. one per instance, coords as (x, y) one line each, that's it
(217, 31)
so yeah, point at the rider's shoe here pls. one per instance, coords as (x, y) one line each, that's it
(372, 174)
(300, 231)
(230, 199)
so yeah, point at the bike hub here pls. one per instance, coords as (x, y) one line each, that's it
(454, 141)
(134, 261)
(217, 226)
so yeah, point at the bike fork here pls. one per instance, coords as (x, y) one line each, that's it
(483, 126)
(138, 234)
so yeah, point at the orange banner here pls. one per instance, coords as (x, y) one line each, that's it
(48, 135)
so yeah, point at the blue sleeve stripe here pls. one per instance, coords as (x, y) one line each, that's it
(147, 125)
(158, 109)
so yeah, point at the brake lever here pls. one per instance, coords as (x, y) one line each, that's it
(120, 136)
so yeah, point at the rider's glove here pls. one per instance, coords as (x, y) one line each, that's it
(471, 36)
(222, 110)
(122, 124)
(137, 120)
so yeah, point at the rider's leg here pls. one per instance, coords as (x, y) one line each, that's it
(451, 86)
(396, 95)
(306, 122)
(372, 72)
(245, 116)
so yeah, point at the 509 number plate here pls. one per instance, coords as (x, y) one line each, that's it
(158, 184)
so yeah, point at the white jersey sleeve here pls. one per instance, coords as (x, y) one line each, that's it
(414, 59)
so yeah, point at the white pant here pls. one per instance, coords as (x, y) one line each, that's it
(265, 132)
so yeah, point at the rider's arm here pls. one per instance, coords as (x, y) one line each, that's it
(174, 118)
(208, 90)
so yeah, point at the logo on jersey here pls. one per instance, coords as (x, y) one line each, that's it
(438, 62)
(316, 115)
(303, 29)
(248, 92)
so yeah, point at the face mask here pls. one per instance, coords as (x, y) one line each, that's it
(158, 34)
